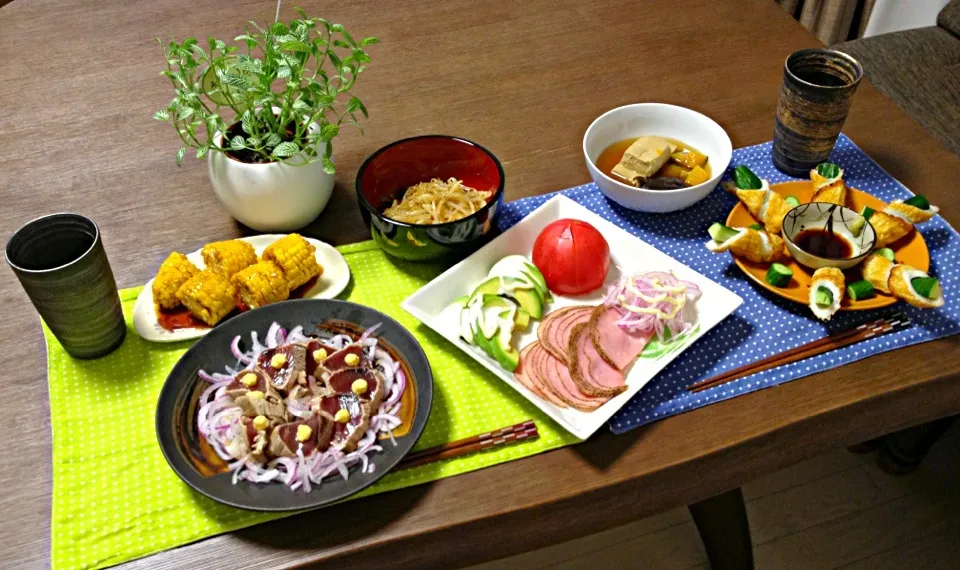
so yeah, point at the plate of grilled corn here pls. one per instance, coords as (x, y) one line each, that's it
(194, 292)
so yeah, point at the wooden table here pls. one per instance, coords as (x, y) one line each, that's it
(80, 82)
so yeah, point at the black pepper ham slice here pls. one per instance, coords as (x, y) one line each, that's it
(616, 345)
(591, 373)
(536, 371)
(554, 332)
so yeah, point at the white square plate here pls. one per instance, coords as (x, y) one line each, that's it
(628, 255)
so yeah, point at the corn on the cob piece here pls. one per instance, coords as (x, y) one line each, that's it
(295, 257)
(175, 270)
(228, 257)
(208, 296)
(261, 284)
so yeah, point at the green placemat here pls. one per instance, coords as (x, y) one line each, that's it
(105, 445)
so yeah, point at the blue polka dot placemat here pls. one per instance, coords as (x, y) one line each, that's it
(765, 324)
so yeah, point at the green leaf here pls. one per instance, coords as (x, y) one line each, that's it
(369, 41)
(273, 139)
(236, 143)
(328, 166)
(348, 37)
(199, 51)
(202, 152)
(162, 115)
(185, 113)
(295, 46)
(283, 72)
(356, 105)
(360, 56)
(341, 43)
(246, 122)
(300, 105)
(245, 38)
(285, 149)
(180, 153)
(236, 81)
(337, 28)
(329, 132)
(254, 142)
(279, 29)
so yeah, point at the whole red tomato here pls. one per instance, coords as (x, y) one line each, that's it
(573, 257)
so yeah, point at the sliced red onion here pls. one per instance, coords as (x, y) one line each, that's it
(256, 347)
(299, 409)
(296, 335)
(312, 382)
(272, 338)
(366, 334)
(398, 389)
(237, 353)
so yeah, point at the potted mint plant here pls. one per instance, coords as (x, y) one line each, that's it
(265, 112)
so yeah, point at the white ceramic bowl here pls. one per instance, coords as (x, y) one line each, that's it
(631, 121)
(816, 215)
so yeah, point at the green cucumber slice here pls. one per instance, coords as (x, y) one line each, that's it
(828, 170)
(792, 201)
(928, 287)
(856, 226)
(757, 227)
(823, 297)
(918, 201)
(745, 179)
(779, 275)
(721, 233)
(860, 290)
(885, 252)
(866, 212)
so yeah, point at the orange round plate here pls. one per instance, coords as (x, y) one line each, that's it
(911, 249)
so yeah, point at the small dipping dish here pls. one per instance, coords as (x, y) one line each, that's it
(821, 234)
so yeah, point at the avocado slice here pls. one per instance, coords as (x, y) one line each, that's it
(522, 320)
(529, 302)
(489, 287)
(480, 340)
(507, 356)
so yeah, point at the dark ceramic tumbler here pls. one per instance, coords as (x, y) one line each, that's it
(60, 261)
(815, 96)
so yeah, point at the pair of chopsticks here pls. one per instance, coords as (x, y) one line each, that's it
(893, 323)
(502, 436)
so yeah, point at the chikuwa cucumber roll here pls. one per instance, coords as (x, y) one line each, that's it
(763, 203)
(828, 184)
(876, 269)
(915, 287)
(826, 292)
(747, 243)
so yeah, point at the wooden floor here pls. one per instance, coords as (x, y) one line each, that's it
(835, 511)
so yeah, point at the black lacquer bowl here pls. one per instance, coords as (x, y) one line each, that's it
(388, 172)
(195, 462)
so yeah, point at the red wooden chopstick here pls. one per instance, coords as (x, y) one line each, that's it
(472, 444)
(894, 323)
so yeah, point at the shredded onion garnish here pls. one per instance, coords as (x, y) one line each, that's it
(653, 302)
(219, 418)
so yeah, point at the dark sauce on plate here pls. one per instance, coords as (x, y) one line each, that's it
(823, 243)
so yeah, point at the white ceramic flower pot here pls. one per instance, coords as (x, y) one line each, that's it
(270, 197)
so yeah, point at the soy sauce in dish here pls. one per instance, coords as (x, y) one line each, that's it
(823, 243)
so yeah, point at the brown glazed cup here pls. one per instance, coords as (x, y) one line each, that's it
(60, 261)
(818, 85)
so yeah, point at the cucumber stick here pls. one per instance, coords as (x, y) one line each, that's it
(823, 297)
(757, 227)
(860, 290)
(779, 275)
(828, 170)
(918, 201)
(792, 201)
(721, 233)
(745, 179)
(885, 252)
(928, 287)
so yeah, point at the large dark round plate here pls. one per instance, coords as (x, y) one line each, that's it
(194, 461)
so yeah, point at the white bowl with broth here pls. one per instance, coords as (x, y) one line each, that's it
(692, 129)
